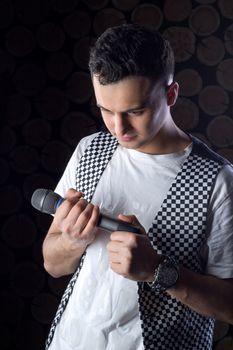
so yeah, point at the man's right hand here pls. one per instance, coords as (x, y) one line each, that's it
(72, 230)
(76, 219)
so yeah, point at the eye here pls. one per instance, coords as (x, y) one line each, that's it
(137, 112)
(105, 111)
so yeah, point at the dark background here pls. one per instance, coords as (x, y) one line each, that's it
(47, 105)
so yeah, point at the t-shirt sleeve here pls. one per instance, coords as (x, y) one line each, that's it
(68, 179)
(218, 252)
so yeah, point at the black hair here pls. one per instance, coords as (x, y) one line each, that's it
(131, 50)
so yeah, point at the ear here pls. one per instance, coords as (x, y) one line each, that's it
(172, 93)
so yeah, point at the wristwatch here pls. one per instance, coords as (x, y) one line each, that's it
(166, 275)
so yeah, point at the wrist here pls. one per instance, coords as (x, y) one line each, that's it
(166, 275)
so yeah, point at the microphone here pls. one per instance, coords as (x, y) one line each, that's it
(48, 201)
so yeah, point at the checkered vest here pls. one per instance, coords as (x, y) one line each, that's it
(178, 230)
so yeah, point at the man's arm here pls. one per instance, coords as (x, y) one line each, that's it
(207, 295)
(72, 230)
(132, 256)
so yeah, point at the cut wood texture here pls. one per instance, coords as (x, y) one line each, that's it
(6, 13)
(227, 153)
(50, 36)
(7, 139)
(226, 7)
(185, 113)
(17, 109)
(29, 335)
(59, 65)
(43, 307)
(54, 156)
(7, 64)
(206, 1)
(52, 103)
(147, 14)
(210, 51)
(125, 5)
(77, 24)
(225, 74)
(79, 87)
(31, 12)
(182, 41)
(11, 199)
(177, 11)
(12, 308)
(204, 20)
(201, 137)
(20, 41)
(190, 82)
(36, 132)
(29, 79)
(96, 4)
(213, 100)
(27, 279)
(37, 180)
(5, 171)
(228, 39)
(82, 51)
(19, 231)
(64, 6)
(75, 126)
(220, 131)
(24, 159)
(7, 260)
(58, 285)
(108, 17)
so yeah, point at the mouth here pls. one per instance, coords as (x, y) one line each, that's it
(126, 138)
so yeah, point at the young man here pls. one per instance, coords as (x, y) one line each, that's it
(161, 288)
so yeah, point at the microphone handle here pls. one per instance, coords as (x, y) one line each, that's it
(48, 202)
(108, 223)
(112, 224)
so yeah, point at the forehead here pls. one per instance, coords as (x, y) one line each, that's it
(124, 94)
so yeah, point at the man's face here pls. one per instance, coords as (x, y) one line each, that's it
(135, 111)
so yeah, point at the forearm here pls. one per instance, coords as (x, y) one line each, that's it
(59, 257)
(207, 295)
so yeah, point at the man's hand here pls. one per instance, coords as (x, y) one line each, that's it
(72, 230)
(132, 255)
(76, 220)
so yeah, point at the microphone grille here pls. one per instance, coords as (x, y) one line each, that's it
(45, 200)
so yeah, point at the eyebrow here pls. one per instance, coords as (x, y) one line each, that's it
(135, 108)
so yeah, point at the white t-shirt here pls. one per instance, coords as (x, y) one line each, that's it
(102, 313)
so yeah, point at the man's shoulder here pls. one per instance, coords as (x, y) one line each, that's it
(201, 149)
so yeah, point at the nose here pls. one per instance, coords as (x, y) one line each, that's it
(121, 124)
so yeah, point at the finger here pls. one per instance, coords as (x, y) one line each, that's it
(114, 246)
(72, 194)
(70, 206)
(115, 258)
(132, 219)
(87, 221)
(93, 220)
(123, 238)
(82, 206)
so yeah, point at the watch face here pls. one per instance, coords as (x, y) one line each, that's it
(167, 276)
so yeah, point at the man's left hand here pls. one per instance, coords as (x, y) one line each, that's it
(132, 255)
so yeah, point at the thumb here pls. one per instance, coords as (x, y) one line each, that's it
(132, 219)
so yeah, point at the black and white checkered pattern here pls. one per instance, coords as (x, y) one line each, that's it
(178, 230)
(93, 163)
(88, 173)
